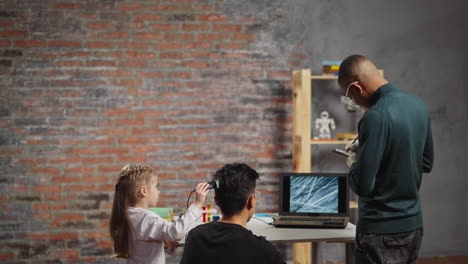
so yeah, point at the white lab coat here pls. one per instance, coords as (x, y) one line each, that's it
(149, 231)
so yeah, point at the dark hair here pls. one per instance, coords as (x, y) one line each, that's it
(131, 177)
(347, 72)
(236, 182)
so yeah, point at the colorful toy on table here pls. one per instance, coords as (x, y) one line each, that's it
(208, 213)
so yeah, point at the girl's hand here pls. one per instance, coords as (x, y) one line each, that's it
(171, 246)
(201, 190)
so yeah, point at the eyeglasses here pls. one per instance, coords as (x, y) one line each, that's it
(257, 196)
(348, 100)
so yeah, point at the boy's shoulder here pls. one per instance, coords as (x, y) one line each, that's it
(200, 228)
(220, 227)
(205, 227)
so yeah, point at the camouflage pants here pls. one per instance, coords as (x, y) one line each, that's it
(401, 248)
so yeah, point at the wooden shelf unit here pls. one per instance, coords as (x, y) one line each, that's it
(302, 140)
(302, 123)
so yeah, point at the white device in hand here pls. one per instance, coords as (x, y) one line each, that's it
(341, 152)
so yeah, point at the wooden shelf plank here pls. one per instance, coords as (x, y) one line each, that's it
(328, 142)
(324, 77)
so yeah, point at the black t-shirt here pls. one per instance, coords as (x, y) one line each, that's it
(220, 242)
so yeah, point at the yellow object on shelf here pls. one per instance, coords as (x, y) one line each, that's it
(346, 136)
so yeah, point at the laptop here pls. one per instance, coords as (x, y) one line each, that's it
(313, 200)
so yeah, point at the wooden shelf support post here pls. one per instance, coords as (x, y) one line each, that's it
(302, 121)
(301, 143)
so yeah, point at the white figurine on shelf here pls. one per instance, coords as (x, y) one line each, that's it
(323, 124)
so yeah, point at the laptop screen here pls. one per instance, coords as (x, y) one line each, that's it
(314, 194)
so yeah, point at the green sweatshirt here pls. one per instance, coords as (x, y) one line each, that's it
(395, 148)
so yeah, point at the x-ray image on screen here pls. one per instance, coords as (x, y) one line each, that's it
(314, 195)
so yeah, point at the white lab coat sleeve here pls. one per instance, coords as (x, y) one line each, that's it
(150, 226)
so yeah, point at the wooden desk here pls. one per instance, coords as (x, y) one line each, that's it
(314, 235)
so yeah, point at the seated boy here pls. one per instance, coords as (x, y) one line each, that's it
(228, 241)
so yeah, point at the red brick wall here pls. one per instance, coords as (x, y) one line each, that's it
(89, 86)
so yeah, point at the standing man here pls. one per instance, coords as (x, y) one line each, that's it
(386, 164)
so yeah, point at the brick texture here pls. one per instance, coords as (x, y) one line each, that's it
(89, 86)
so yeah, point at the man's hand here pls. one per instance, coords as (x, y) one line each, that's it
(171, 246)
(351, 148)
(351, 158)
(352, 145)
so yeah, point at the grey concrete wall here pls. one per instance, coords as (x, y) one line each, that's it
(422, 47)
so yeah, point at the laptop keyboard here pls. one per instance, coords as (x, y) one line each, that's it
(314, 220)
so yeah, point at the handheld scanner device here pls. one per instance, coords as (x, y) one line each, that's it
(213, 184)
(341, 152)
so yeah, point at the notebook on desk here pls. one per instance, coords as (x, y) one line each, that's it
(313, 200)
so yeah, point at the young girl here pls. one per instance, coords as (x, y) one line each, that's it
(139, 235)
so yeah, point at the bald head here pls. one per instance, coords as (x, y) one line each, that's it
(359, 68)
